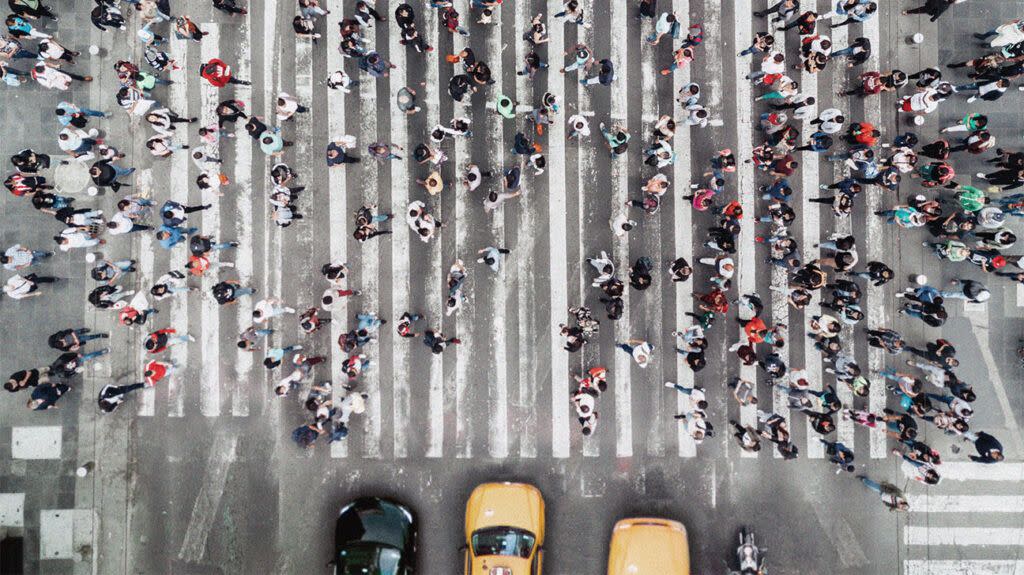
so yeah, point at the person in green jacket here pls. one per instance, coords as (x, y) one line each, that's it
(970, 123)
(971, 199)
(506, 107)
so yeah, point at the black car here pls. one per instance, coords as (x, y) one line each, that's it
(375, 536)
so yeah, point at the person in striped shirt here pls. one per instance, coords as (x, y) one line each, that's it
(19, 257)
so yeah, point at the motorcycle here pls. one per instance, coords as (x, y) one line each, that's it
(749, 556)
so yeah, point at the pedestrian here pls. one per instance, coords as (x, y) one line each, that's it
(892, 497)
(641, 350)
(18, 257)
(269, 308)
(492, 256)
(25, 286)
(159, 340)
(218, 74)
(988, 447)
(46, 395)
(72, 339)
(26, 378)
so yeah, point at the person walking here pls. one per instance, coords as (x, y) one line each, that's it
(18, 257)
(112, 396)
(26, 286)
(46, 395)
(892, 497)
(988, 447)
(218, 74)
(639, 349)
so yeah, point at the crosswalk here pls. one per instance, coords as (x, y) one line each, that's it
(972, 523)
(503, 393)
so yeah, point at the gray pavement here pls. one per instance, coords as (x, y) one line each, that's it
(199, 475)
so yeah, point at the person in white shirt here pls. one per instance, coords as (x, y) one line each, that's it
(76, 141)
(1006, 35)
(163, 120)
(772, 63)
(54, 78)
(697, 425)
(169, 284)
(604, 266)
(288, 106)
(76, 237)
(829, 121)
(19, 257)
(585, 402)
(351, 403)
(697, 115)
(494, 199)
(204, 161)
(269, 308)
(698, 400)
(622, 225)
(579, 127)
(339, 80)
(492, 256)
(640, 349)
(21, 287)
(162, 146)
(472, 177)
(121, 224)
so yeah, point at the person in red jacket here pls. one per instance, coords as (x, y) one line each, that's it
(161, 339)
(863, 133)
(218, 73)
(157, 370)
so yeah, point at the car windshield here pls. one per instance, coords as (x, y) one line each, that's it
(369, 560)
(506, 541)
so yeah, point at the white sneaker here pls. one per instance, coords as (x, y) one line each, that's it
(670, 384)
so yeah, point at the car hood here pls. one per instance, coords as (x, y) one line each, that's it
(514, 565)
(378, 521)
(506, 505)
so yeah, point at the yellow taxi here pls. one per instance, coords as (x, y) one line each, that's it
(647, 546)
(504, 530)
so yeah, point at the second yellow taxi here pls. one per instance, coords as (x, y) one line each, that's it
(504, 530)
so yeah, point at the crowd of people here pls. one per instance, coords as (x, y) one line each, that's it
(964, 223)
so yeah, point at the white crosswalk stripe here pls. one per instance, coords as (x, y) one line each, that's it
(435, 293)
(147, 396)
(682, 239)
(244, 264)
(620, 192)
(179, 188)
(401, 423)
(963, 567)
(464, 318)
(746, 260)
(365, 173)
(209, 338)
